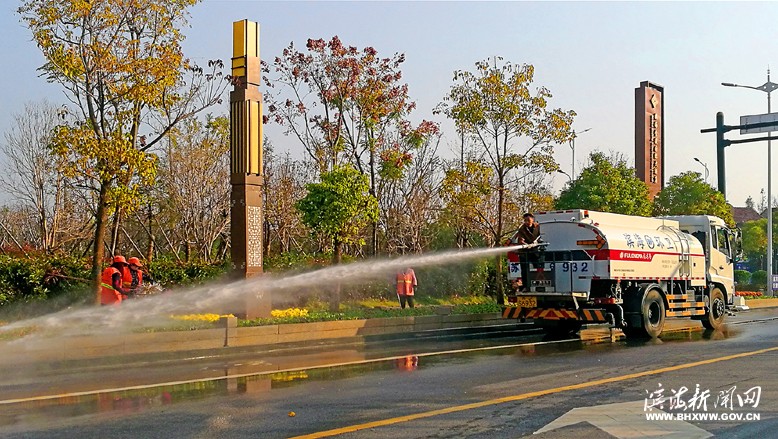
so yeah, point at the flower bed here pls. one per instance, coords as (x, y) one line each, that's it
(751, 294)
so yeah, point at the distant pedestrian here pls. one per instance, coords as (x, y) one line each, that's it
(406, 284)
(112, 292)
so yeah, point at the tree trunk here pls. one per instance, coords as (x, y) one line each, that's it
(498, 259)
(98, 253)
(337, 248)
(150, 250)
(117, 220)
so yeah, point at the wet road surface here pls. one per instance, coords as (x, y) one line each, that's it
(496, 385)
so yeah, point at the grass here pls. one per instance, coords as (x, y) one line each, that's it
(372, 308)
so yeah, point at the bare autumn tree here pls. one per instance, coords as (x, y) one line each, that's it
(285, 181)
(409, 204)
(194, 185)
(31, 176)
(121, 66)
(345, 105)
(510, 124)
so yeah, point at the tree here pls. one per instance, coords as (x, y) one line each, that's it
(285, 181)
(688, 194)
(32, 176)
(408, 200)
(608, 185)
(195, 184)
(465, 192)
(513, 128)
(339, 207)
(345, 105)
(754, 239)
(750, 203)
(121, 67)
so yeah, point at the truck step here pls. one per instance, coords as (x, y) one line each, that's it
(687, 313)
(685, 305)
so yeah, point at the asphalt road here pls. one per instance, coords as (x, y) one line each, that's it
(496, 385)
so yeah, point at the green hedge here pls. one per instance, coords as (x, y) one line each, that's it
(38, 278)
(169, 272)
(759, 277)
(742, 277)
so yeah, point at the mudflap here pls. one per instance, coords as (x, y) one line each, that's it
(512, 312)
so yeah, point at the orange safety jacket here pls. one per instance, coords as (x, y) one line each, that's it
(126, 278)
(405, 283)
(108, 294)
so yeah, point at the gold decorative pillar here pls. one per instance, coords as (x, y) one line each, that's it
(246, 175)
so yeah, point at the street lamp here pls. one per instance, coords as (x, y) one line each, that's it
(767, 87)
(569, 178)
(572, 146)
(704, 166)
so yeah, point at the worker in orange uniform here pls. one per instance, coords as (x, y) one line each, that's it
(136, 274)
(112, 290)
(406, 284)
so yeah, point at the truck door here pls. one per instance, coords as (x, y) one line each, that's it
(721, 258)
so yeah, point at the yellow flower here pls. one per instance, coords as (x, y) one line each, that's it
(201, 317)
(291, 312)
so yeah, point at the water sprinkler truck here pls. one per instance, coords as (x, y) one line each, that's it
(627, 271)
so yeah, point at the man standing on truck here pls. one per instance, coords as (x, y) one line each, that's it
(529, 233)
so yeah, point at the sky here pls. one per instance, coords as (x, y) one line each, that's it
(590, 55)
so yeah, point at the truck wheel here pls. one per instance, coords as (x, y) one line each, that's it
(714, 318)
(652, 311)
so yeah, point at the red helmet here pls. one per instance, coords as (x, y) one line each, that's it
(134, 261)
(119, 259)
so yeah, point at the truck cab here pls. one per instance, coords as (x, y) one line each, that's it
(718, 243)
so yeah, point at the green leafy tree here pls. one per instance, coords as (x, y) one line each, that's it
(339, 207)
(688, 194)
(608, 185)
(754, 239)
(511, 125)
(121, 66)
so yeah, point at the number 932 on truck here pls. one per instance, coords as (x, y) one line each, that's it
(628, 271)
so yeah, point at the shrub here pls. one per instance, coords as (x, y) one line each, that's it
(742, 277)
(759, 278)
(170, 272)
(39, 277)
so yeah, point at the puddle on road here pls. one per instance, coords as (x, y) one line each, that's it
(129, 402)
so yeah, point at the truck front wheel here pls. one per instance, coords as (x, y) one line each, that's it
(652, 311)
(717, 309)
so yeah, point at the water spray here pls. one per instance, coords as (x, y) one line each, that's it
(156, 310)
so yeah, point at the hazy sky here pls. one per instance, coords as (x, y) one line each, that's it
(591, 55)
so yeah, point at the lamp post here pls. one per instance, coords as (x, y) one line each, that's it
(569, 178)
(767, 87)
(572, 146)
(704, 166)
